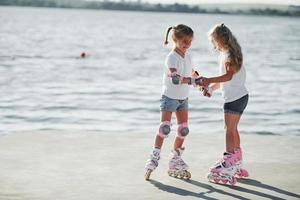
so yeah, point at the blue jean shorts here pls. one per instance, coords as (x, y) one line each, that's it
(173, 105)
(236, 107)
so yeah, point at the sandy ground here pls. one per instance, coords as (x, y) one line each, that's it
(84, 165)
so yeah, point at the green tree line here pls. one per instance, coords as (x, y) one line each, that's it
(139, 6)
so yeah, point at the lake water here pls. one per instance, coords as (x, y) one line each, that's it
(45, 85)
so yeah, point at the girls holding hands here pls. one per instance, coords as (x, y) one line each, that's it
(178, 75)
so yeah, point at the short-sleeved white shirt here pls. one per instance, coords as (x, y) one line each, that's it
(235, 88)
(184, 68)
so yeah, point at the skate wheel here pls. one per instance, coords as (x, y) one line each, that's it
(176, 175)
(183, 175)
(224, 181)
(217, 180)
(244, 173)
(211, 178)
(147, 175)
(188, 175)
(172, 174)
(233, 181)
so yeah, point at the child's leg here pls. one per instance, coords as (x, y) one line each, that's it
(182, 117)
(237, 139)
(165, 116)
(237, 142)
(177, 167)
(236, 136)
(232, 139)
(226, 169)
(233, 112)
(163, 132)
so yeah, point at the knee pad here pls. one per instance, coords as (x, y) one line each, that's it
(182, 130)
(164, 129)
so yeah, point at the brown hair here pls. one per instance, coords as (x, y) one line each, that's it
(180, 31)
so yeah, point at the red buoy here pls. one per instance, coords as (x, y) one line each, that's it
(82, 54)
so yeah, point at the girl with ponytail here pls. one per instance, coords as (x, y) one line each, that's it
(176, 80)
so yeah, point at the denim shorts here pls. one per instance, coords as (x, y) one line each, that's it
(173, 105)
(236, 107)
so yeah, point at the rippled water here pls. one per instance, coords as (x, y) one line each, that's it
(45, 85)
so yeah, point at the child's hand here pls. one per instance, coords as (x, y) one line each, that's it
(205, 82)
(205, 91)
(195, 74)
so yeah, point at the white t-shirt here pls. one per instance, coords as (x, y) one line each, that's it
(235, 88)
(184, 69)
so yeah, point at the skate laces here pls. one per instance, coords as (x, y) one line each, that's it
(229, 159)
(181, 162)
(155, 155)
(221, 160)
(176, 159)
(177, 162)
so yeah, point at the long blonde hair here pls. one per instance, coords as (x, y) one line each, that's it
(231, 44)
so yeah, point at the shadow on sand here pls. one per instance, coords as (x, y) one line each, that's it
(267, 187)
(210, 189)
(202, 195)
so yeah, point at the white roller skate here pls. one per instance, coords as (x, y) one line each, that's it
(152, 162)
(177, 167)
(241, 172)
(224, 172)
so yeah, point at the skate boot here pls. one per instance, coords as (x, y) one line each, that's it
(177, 167)
(241, 172)
(152, 162)
(224, 171)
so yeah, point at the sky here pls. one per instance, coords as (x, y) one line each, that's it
(280, 2)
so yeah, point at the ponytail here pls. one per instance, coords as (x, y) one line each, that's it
(167, 35)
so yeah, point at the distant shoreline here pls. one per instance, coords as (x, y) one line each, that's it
(292, 11)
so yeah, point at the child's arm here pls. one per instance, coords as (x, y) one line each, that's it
(208, 91)
(188, 80)
(215, 86)
(176, 78)
(219, 79)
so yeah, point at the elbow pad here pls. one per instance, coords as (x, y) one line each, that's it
(176, 78)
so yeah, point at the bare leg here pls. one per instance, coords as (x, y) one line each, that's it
(232, 139)
(152, 162)
(165, 116)
(236, 139)
(182, 117)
